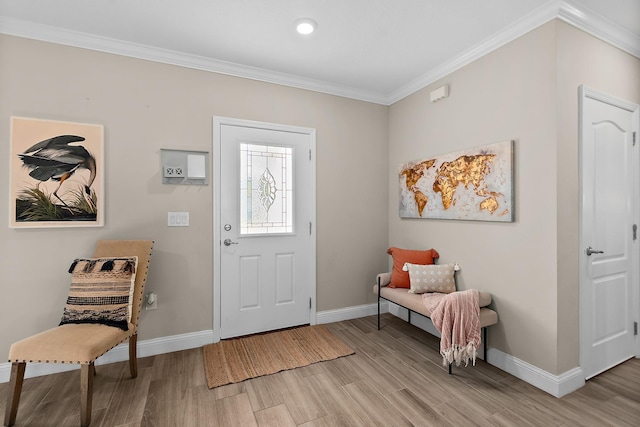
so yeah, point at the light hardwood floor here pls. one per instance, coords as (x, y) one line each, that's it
(394, 379)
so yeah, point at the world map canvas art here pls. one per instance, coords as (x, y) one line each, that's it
(472, 184)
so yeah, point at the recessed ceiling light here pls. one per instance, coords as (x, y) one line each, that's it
(305, 26)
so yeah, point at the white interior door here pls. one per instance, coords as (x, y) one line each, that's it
(609, 259)
(265, 228)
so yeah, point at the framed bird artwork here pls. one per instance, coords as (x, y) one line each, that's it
(57, 174)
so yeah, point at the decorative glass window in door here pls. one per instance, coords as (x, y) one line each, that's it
(266, 189)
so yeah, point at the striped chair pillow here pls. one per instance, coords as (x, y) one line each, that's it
(101, 291)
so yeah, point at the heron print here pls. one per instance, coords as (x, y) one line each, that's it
(58, 173)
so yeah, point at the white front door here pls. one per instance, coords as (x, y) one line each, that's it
(265, 230)
(609, 252)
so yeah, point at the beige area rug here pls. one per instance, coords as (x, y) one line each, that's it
(236, 360)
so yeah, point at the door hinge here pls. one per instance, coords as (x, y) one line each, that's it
(634, 138)
(309, 229)
(635, 231)
(309, 303)
(310, 152)
(635, 328)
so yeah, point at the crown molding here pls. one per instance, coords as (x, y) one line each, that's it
(566, 10)
(600, 27)
(30, 30)
(584, 19)
(538, 17)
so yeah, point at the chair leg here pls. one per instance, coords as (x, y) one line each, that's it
(15, 388)
(133, 355)
(87, 372)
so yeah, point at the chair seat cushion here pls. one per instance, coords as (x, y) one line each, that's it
(72, 343)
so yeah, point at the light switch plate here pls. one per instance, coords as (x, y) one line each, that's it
(178, 219)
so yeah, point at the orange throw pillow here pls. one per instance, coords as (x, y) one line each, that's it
(399, 278)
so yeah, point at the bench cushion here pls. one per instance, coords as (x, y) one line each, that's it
(414, 303)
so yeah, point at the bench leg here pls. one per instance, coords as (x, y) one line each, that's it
(451, 364)
(378, 308)
(379, 303)
(484, 343)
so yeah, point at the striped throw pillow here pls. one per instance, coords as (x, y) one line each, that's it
(101, 291)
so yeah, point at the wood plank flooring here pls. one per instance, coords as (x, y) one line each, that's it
(394, 379)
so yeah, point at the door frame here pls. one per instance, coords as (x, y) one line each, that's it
(218, 122)
(584, 93)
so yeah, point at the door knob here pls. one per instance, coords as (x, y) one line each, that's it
(228, 242)
(590, 251)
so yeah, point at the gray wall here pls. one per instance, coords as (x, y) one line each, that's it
(144, 107)
(581, 59)
(526, 91)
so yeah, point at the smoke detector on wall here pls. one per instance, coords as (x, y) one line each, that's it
(440, 93)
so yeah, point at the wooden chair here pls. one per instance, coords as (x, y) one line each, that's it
(82, 343)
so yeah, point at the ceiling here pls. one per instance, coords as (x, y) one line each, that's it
(374, 50)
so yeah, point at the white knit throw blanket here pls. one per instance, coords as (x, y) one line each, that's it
(457, 318)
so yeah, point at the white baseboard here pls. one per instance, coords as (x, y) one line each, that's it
(120, 353)
(556, 385)
(348, 313)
